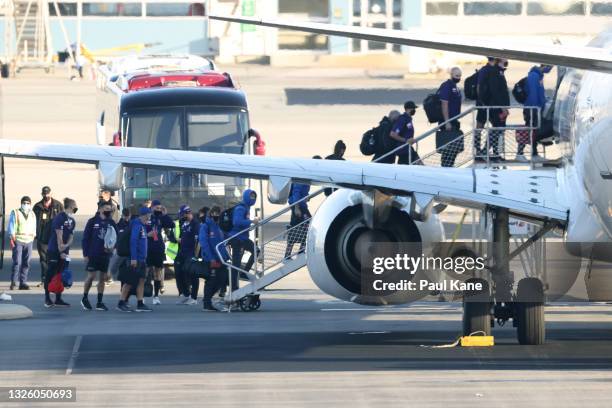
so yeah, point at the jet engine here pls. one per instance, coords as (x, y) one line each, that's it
(339, 234)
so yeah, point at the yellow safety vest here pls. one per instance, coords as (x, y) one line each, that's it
(25, 227)
(173, 247)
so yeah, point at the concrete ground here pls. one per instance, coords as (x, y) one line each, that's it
(302, 348)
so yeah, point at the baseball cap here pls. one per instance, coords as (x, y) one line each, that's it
(144, 211)
(410, 105)
(155, 202)
(46, 190)
(185, 209)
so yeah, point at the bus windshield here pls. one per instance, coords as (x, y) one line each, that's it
(204, 129)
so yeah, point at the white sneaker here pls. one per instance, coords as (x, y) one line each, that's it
(521, 158)
(5, 298)
(190, 302)
(537, 159)
(156, 300)
(181, 300)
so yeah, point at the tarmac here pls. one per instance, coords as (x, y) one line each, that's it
(303, 348)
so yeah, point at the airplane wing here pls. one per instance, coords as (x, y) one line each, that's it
(590, 58)
(528, 193)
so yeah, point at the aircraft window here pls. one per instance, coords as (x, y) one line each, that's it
(65, 9)
(112, 9)
(601, 9)
(356, 8)
(311, 8)
(442, 8)
(555, 8)
(175, 9)
(155, 129)
(485, 8)
(216, 131)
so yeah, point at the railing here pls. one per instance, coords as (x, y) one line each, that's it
(468, 147)
(270, 252)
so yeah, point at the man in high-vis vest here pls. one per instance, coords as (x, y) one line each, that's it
(22, 231)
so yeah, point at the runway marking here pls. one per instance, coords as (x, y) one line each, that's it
(73, 356)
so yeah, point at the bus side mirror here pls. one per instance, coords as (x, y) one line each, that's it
(259, 146)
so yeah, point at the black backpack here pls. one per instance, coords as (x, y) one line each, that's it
(470, 85)
(226, 219)
(368, 143)
(520, 91)
(123, 242)
(432, 105)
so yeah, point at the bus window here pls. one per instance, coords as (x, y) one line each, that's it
(217, 130)
(155, 129)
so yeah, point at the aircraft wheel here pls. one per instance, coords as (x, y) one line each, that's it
(477, 309)
(531, 328)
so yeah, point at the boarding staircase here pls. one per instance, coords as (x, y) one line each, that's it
(33, 36)
(280, 253)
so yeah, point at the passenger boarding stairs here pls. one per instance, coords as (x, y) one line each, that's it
(280, 251)
(33, 39)
(278, 254)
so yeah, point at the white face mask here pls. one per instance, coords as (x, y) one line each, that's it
(25, 207)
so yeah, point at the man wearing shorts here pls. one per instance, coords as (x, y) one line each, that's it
(138, 267)
(96, 254)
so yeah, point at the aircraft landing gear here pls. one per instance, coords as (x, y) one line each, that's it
(477, 310)
(525, 307)
(529, 312)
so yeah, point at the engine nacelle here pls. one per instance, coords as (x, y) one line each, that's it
(338, 234)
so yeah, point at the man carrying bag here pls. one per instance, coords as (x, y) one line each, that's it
(209, 237)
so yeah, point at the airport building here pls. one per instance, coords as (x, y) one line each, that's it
(175, 26)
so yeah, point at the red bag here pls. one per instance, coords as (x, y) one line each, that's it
(56, 285)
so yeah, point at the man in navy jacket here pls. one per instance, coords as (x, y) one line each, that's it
(210, 236)
(241, 221)
(96, 254)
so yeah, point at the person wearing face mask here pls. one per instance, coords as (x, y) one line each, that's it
(209, 236)
(135, 277)
(106, 197)
(156, 249)
(61, 238)
(499, 95)
(96, 255)
(536, 96)
(45, 210)
(22, 231)
(402, 133)
(187, 287)
(241, 242)
(203, 214)
(451, 98)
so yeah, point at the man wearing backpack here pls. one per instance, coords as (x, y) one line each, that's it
(402, 133)
(96, 254)
(492, 91)
(210, 236)
(536, 96)
(384, 143)
(241, 243)
(137, 272)
(450, 99)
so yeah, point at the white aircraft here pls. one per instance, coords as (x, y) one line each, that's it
(396, 202)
